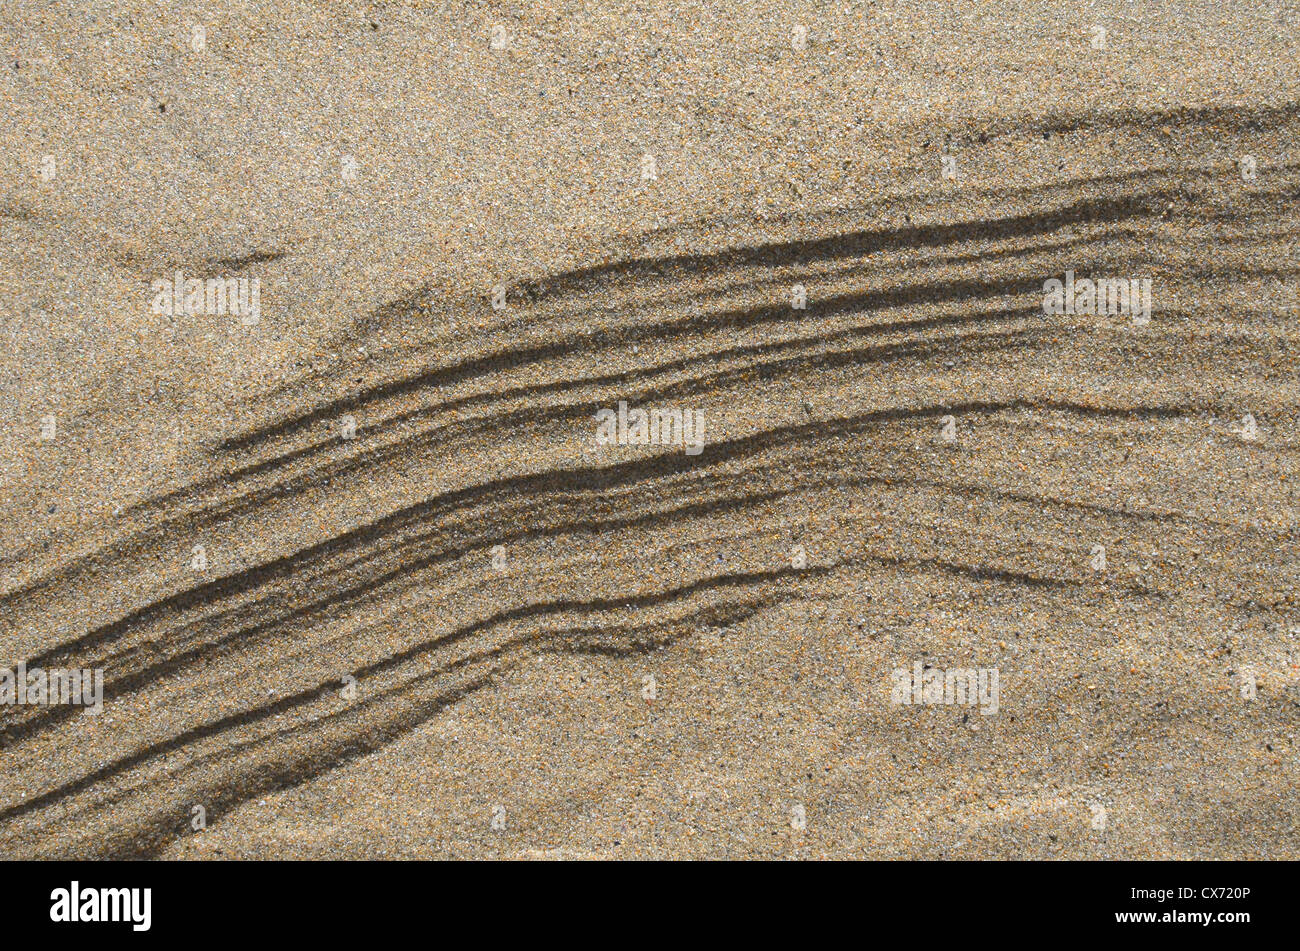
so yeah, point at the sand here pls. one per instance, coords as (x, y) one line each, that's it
(432, 616)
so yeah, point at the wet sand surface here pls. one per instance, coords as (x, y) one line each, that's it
(431, 616)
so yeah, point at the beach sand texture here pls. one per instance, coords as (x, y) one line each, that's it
(430, 615)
